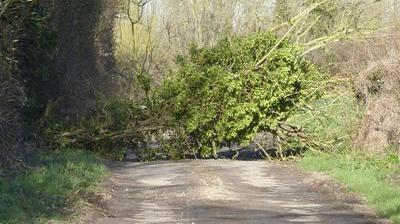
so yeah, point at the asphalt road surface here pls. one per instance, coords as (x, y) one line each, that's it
(224, 191)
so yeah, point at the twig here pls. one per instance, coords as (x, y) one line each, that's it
(263, 150)
(294, 21)
(5, 7)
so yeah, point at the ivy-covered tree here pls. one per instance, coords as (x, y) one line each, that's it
(224, 94)
(55, 59)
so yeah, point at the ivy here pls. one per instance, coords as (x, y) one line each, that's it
(218, 95)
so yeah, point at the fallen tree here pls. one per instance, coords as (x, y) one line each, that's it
(224, 94)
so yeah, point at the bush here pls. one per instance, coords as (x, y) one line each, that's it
(219, 95)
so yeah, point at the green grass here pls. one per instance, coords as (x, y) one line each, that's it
(51, 190)
(368, 176)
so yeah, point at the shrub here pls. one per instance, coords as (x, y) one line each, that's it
(218, 95)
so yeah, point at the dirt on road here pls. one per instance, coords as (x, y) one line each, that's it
(224, 191)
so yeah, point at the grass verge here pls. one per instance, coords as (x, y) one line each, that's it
(334, 120)
(52, 190)
(373, 178)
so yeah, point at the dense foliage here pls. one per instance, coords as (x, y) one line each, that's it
(54, 65)
(24, 44)
(219, 96)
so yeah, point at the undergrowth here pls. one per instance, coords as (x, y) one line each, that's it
(332, 120)
(109, 130)
(53, 189)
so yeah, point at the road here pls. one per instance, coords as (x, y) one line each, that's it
(224, 191)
